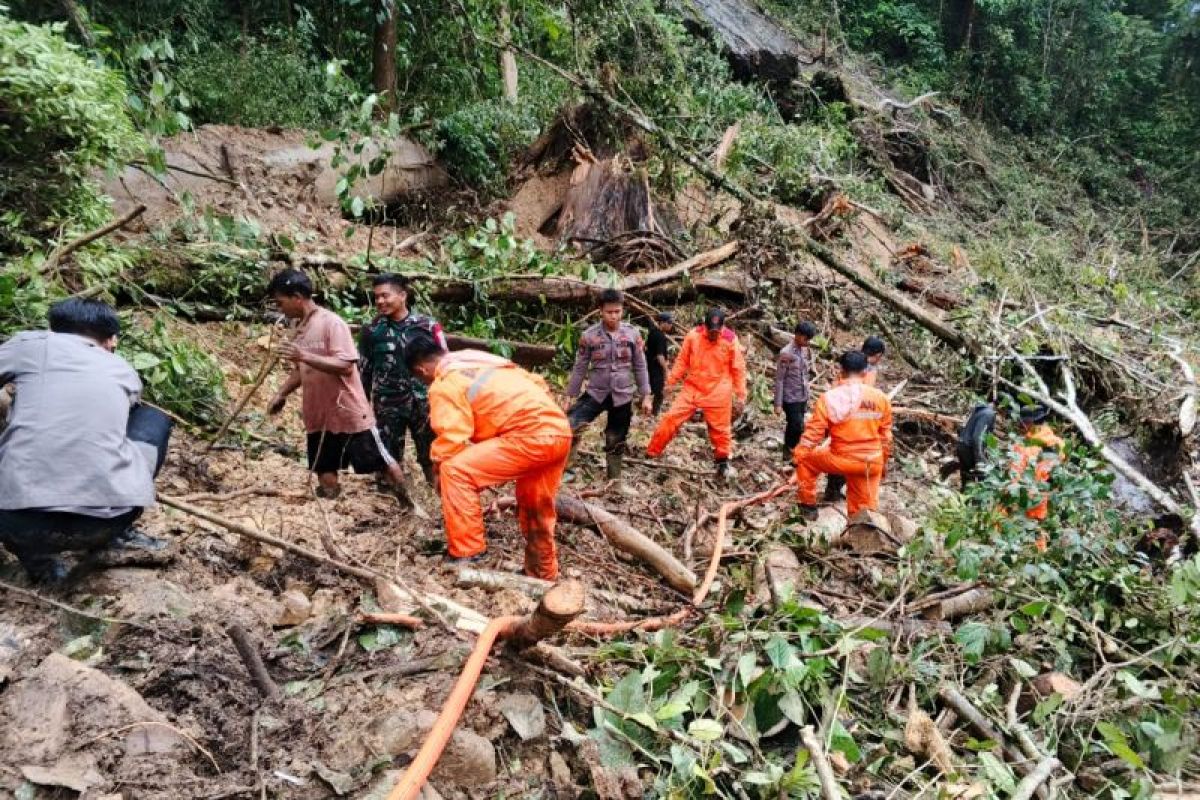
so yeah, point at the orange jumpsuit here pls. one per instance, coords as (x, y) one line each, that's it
(858, 421)
(715, 372)
(496, 423)
(1030, 451)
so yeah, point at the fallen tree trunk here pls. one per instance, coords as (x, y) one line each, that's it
(627, 539)
(700, 261)
(526, 354)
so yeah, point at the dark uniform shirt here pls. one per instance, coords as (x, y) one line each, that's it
(381, 347)
(656, 345)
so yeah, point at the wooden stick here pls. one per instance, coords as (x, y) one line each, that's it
(966, 710)
(59, 254)
(380, 618)
(829, 784)
(253, 661)
(1034, 780)
(268, 364)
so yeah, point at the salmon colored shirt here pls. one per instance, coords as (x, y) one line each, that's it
(332, 403)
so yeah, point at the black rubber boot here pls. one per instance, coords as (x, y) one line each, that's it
(614, 465)
(133, 539)
(835, 486)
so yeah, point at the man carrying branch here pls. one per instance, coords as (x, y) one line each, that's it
(337, 416)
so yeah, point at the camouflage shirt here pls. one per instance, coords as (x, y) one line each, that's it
(381, 347)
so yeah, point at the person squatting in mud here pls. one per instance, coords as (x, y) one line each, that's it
(399, 400)
(612, 360)
(494, 423)
(338, 420)
(80, 452)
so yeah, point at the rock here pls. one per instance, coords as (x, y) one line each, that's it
(560, 772)
(778, 575)
(77, 772)
(468, 761)
(243, 601)
(525, 714)
(13, 641)
(296, 608)
(828, 525)
(63, 702)
(383, 786)
(871, 532)
(1052, 683)
(142, 593)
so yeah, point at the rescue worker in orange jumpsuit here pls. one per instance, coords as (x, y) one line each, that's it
(858, 420)
(873, 348)
(1037, 439)
(494, 423)
(712, 366)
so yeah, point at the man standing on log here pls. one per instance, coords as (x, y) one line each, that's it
(713, 370)
(494, 423)
(792, 371)
(400, 401)
(857, 418)
(657, 350)
(80, 453)
(612, 360)
(337, 415)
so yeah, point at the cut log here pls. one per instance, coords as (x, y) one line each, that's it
(564, 602)
(936, 297)
(871, 532)
(627, 539)
(971, 601)
(605, 200)
(526, 354)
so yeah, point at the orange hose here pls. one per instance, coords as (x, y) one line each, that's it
(719, 542)
(409, 786)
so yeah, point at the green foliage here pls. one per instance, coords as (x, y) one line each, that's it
(271, 79)
(61, 118)
(478, 141)
(177, 372)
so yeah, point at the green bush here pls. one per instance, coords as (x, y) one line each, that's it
(477, 142)
(177, 373)
(61, 118)
(262, 81)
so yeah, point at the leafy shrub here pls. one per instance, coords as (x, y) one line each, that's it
(176, 371)
(477, 142)
(61, 118)
(261, 81)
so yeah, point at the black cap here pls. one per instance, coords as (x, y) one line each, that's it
(714, 319)
(1033, 414)
(665, 316)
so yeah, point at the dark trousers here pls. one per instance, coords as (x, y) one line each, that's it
(412, 417)
(34, 536)
(657, 391)
(794, 429)
(616, 426)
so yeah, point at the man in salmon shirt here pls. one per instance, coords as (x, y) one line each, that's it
(337, 415)
(495, 423)
(712, 366)
(858, 421)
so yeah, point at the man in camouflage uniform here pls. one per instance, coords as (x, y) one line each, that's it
(612, 359)
(400, 401)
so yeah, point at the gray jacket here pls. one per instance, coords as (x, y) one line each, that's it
(612, 363)
(65, 444)
(791, 375)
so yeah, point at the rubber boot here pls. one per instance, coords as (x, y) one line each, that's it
(569, 474)
(834, 488)
(614, 464)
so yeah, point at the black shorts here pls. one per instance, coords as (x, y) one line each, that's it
(333, 452)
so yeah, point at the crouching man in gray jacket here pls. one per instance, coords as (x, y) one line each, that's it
(79, 454)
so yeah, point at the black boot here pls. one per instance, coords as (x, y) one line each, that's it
(133, 539)
(834, 488)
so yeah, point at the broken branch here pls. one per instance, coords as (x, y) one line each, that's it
(248, 651)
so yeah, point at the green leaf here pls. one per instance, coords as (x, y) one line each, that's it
(792, 707)
(998, 773)
(746, 667)
(671, 710)
(644, 719)
(779, 651)
(842, 742)
(381, 637)
(357, 206)
(627, 695)
(706, 730)
(973, 638)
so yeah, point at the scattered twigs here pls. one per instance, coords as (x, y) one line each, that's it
(719, 540)
(52, 262)
(34, 596)
(248, 651)
(829, 785)
(967, 711)
(1034, 780)
(425, 601)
